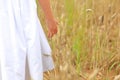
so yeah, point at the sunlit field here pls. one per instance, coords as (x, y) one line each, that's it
(87, 45)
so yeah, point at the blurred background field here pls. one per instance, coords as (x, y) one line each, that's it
(87, 46)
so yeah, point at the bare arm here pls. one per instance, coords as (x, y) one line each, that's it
(45, 4)
(52, 24)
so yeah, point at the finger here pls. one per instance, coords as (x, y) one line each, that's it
(50, 34)
(55, 31)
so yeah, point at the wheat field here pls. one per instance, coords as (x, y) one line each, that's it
(87, 45)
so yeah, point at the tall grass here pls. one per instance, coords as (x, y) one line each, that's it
(87, 46)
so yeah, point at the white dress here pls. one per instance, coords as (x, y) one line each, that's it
(22, 40)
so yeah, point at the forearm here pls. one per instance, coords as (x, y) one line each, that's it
(45, 5)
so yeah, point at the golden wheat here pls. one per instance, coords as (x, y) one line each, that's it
(87, 46)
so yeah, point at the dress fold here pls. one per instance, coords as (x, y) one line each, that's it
(22, 38)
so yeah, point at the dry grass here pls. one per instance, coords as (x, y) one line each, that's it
(87, 46)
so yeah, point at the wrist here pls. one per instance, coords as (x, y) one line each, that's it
(49, 17)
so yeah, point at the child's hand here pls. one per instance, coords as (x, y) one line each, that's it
(52, 24)
(52, 27)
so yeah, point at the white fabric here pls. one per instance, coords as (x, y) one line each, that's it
(21, 38)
